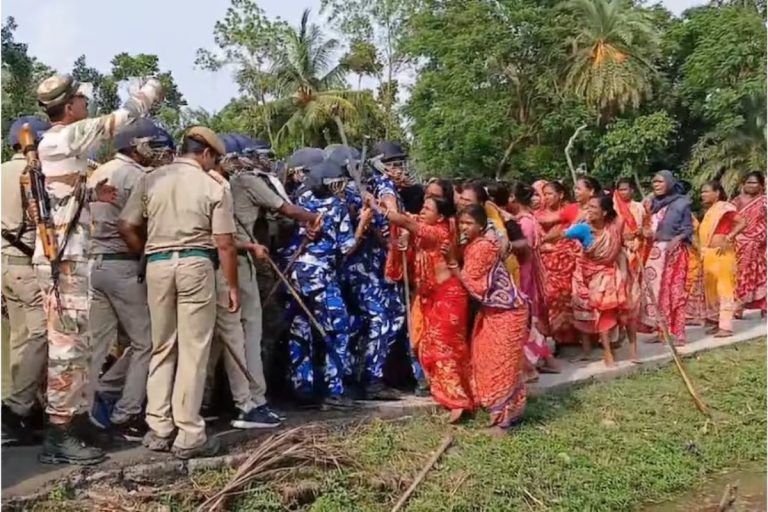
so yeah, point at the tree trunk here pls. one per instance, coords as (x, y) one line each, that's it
(342, 132)
(508, 153)
(568, 151)
(637, 183)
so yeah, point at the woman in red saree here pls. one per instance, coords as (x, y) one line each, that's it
(600, 302)
(440, 309)
(632, 214)
(501, 326)
(559, 255)
(751, 244)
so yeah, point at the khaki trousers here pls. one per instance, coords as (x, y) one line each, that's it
(28, 333)
(251, 317)
(119, 301)
(229, 332)
(182, 307)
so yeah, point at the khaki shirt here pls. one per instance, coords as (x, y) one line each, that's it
(123, 173)
(183, 207)
(12, 210)
(249, 194)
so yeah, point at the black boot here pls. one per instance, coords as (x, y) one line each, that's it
(18, 430)
(378, 391)
(62, 446)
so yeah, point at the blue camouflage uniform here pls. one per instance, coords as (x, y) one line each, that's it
(364, 289)
(316, 279)
(380, 186)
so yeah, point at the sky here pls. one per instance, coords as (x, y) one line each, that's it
(59, 31)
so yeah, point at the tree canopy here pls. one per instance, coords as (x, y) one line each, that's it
(493, 88)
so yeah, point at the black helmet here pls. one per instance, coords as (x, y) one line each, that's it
(388, 151)
(305, 158)
(324, 175)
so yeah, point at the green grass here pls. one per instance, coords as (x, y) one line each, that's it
(610, 446)
(605, 447)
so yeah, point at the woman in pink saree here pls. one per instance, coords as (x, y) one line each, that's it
(539, 356)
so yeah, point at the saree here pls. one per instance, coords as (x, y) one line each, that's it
(496, 217)
(695, 309)
(559, 264)
(499, 334)
(719, 269)
(671, 269)
(750, 254)
(633, 215)
(439, 331)
(532, 285)
(600, 300)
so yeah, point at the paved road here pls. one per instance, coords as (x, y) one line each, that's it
(23, 475)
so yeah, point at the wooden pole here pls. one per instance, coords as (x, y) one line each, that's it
(700, 405)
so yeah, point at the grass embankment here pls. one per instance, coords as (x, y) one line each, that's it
(608, 446)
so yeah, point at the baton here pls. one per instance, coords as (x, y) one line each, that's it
(296, 296)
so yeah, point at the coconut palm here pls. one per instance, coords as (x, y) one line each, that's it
(611, 52)
(309, 87)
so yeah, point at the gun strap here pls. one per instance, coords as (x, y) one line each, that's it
(18, 244)
(80, 190)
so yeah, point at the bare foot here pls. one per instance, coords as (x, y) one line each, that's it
(551, 365)
(532, 376)
(584, 356)
(722, 333)
(455, 416)
(653, 341)
(713, 330)
(608, 360)
(633, 354)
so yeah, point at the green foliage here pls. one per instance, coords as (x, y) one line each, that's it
(632, 144)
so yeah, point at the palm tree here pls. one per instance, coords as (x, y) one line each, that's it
(610, 62)
(312, 93)
(733, 149)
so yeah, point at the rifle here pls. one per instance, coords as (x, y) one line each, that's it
(40, 209)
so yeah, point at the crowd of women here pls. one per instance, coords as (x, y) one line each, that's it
(520, 271)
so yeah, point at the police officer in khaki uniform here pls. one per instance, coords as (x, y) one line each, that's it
(118, 293)
(29, 346)
(190, 229)
(251, 194)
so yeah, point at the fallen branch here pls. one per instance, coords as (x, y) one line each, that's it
(428, 466)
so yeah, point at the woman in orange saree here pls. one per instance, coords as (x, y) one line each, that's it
(439, 331)
(632, 214)
(501, 326)
(751, 244)
(600, 301)
(717, 233)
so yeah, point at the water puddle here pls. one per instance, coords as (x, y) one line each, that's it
(750, 495)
